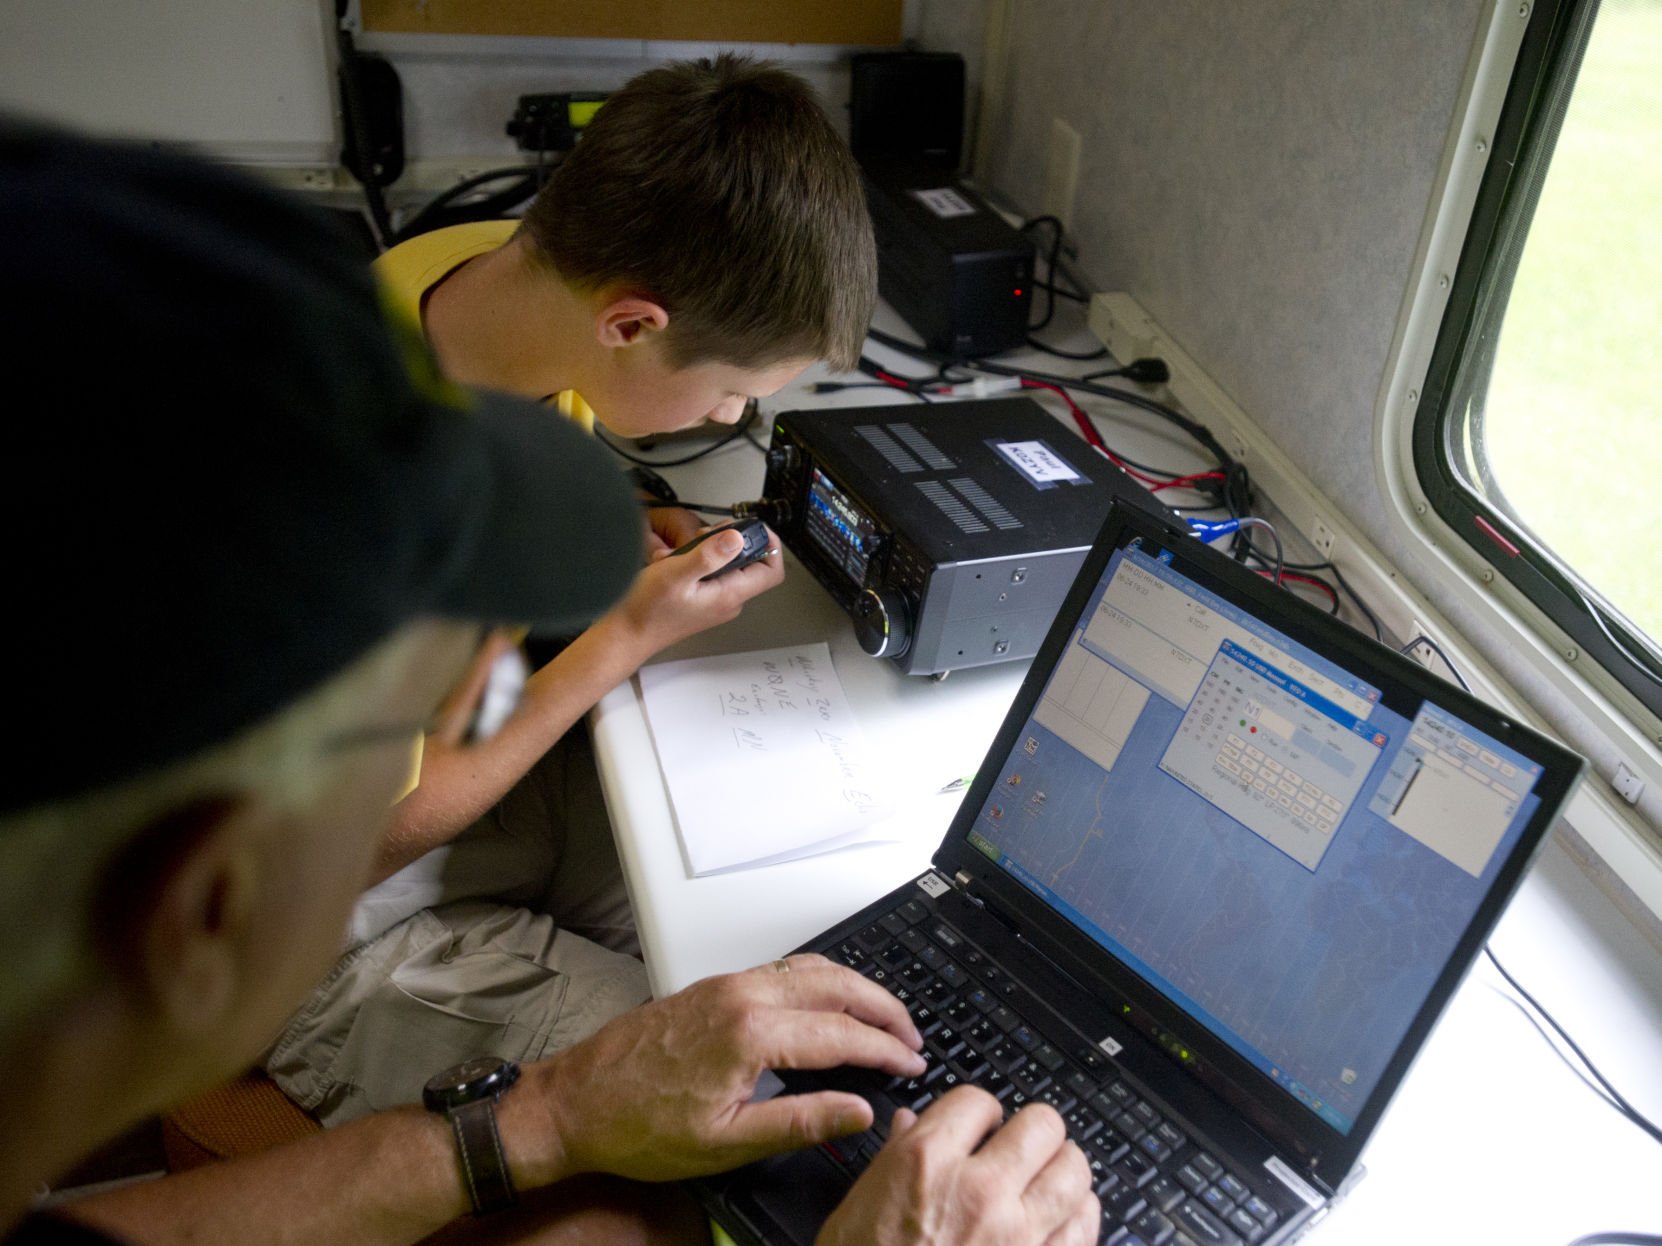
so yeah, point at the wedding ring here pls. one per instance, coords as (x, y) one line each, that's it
(781, 966)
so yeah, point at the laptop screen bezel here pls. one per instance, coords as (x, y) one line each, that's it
(1326, 1154)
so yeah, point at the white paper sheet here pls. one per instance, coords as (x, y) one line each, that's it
(762, 757)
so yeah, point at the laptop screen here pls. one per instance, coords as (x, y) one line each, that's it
(1283, 848)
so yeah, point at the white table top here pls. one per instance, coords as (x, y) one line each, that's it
(1492, 1138)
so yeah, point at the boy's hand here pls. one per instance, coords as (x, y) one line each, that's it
(670, 600)
(669, 528)
(664, 1092)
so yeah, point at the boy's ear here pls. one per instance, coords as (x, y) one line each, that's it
(627, 319)
(174, 912)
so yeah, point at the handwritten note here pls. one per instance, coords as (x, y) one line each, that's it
(762, 757)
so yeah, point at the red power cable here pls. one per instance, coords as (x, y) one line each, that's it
(1094, 438)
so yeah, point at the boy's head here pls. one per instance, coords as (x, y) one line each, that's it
(719, 190)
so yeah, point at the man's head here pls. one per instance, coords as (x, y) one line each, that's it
(718, 192)
(253, 538)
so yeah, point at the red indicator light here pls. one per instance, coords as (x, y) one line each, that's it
(1018, 293)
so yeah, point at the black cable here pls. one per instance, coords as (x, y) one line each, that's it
(1615, 1097)
(1373, 621)
(831, 387)
(352, 111)
(1280, 564)
(732, 436)
(1423, 639)
(1050, 265)
(690, 506)
(1148, 370)
(1339, 578)
(432, 214)
(1059, 292)
(1099, 353)
(1144, 467)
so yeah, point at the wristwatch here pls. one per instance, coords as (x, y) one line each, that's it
(467, 1094)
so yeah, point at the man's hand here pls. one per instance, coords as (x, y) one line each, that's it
(664, 1092)
(930, 1186)
(670, 600)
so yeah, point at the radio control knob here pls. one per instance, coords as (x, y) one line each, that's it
(883, 623)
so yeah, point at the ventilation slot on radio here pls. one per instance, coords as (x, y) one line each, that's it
(950, 506)
(925, 449)
(986, 503)
(889, 448)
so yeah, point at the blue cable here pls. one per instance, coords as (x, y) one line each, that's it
(1211, 529)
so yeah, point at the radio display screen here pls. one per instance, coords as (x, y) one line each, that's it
(839, 527)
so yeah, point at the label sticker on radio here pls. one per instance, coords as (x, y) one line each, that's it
(945, 202)
(1038, 462)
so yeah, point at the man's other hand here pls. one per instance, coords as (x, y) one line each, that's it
(930, 1185)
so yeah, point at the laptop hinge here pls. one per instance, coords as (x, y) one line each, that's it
(965, 883)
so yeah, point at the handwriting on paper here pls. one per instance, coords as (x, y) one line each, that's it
(795, 776)
(788, 686)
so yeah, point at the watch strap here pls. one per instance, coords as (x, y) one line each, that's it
(484, 1167)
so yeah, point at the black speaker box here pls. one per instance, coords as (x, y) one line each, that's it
(907, 104)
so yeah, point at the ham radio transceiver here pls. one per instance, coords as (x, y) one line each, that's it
(949, 533)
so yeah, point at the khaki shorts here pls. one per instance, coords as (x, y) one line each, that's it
(442, 986)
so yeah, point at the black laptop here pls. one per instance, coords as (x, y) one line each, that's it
(1222, 869)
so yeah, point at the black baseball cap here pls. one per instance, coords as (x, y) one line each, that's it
(232, 472)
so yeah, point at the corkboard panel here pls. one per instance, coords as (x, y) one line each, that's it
(707, 21)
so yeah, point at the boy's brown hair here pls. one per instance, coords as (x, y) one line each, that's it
(719, 189)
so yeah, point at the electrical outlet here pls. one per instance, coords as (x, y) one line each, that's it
(1628, 785)
(1061, 172)
(1421, 653)
(1321, 536)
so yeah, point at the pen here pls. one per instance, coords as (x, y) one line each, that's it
(957, 785)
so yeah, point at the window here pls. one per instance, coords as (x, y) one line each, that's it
(1540, 440)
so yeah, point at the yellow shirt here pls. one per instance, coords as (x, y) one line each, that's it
(411, 269)
(408, 273)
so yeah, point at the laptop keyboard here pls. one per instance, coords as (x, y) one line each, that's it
(1158, 1186)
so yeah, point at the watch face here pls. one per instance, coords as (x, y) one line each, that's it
(470, 1071)
(471, 1080)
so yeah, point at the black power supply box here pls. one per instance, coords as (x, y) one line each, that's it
(949, 533)
(953, 268)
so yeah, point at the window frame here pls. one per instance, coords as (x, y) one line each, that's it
(1541, 84)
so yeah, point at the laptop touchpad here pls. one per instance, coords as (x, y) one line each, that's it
(796, 1192)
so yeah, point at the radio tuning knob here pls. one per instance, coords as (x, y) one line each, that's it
(882, 623)
(784, 458)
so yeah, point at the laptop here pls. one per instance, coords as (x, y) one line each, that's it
(1223, 867)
